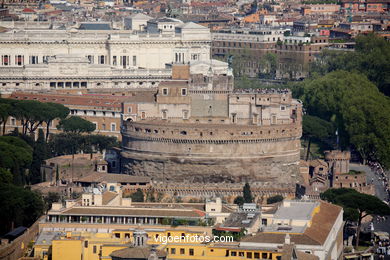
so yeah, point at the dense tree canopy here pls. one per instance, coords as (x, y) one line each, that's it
(39, 155)
(75, 124)
(55, 111)
(19, 207)
(5, 112)
(371, 58)
(71, 143)
(356, 108)
(137, 196)
(274, 199)
(316, 127)
(31, 114)
(15, 157)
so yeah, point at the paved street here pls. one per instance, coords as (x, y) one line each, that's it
(379, 192)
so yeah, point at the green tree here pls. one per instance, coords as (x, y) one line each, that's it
(75, 124)
(54, 111)
(150, 195)
(356, 205)
(39, 155)
(30, 113)
(247, 193)
(5, 176)
(5, 112)
(15, 157)
(315, 128)
(371, 58)
(268, 64)
(274, 199)
(19, 207)
(137, 196)
(239, 200)
(357, 109)
(57, 174)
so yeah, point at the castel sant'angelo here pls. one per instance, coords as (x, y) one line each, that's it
(192, 131)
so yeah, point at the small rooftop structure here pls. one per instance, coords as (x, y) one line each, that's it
(95, 26)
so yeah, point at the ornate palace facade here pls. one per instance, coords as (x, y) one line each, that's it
(36, 59)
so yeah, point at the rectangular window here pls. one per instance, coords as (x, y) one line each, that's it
(114, 61)
(185, 114)
(134, 60)
(173, 251)
(273, 120)
(191, 252)
(234, 253)
(103, 126)
(101, 59)
(129, 110)
(195, 57)
(86, 243)
(94, 249)
(5, 60)
(248, 254)
(165, 91)
(182, 251)
(52, 84)
(33, 59)
(184, 92)
(13, 121)
(90, 58)
(19, 60)
(164, 114)
(257, 255)
(123, 61)
(113, 127)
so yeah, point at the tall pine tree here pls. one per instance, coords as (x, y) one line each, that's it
(247, 193)
(39, 155)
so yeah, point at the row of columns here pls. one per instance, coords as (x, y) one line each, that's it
(102, 219)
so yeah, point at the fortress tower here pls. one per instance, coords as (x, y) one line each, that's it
(197, 136)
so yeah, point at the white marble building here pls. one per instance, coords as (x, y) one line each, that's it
(73, 58)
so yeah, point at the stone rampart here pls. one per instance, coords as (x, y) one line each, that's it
(204, 153)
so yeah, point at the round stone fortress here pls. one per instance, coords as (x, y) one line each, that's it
(201, 152)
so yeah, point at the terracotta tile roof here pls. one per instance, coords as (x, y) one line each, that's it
(323, 222)
(108, 196)
(279, 238)
(98, 177)
(82, 100)
(112, 211)
(316, 234)
(28, 10)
